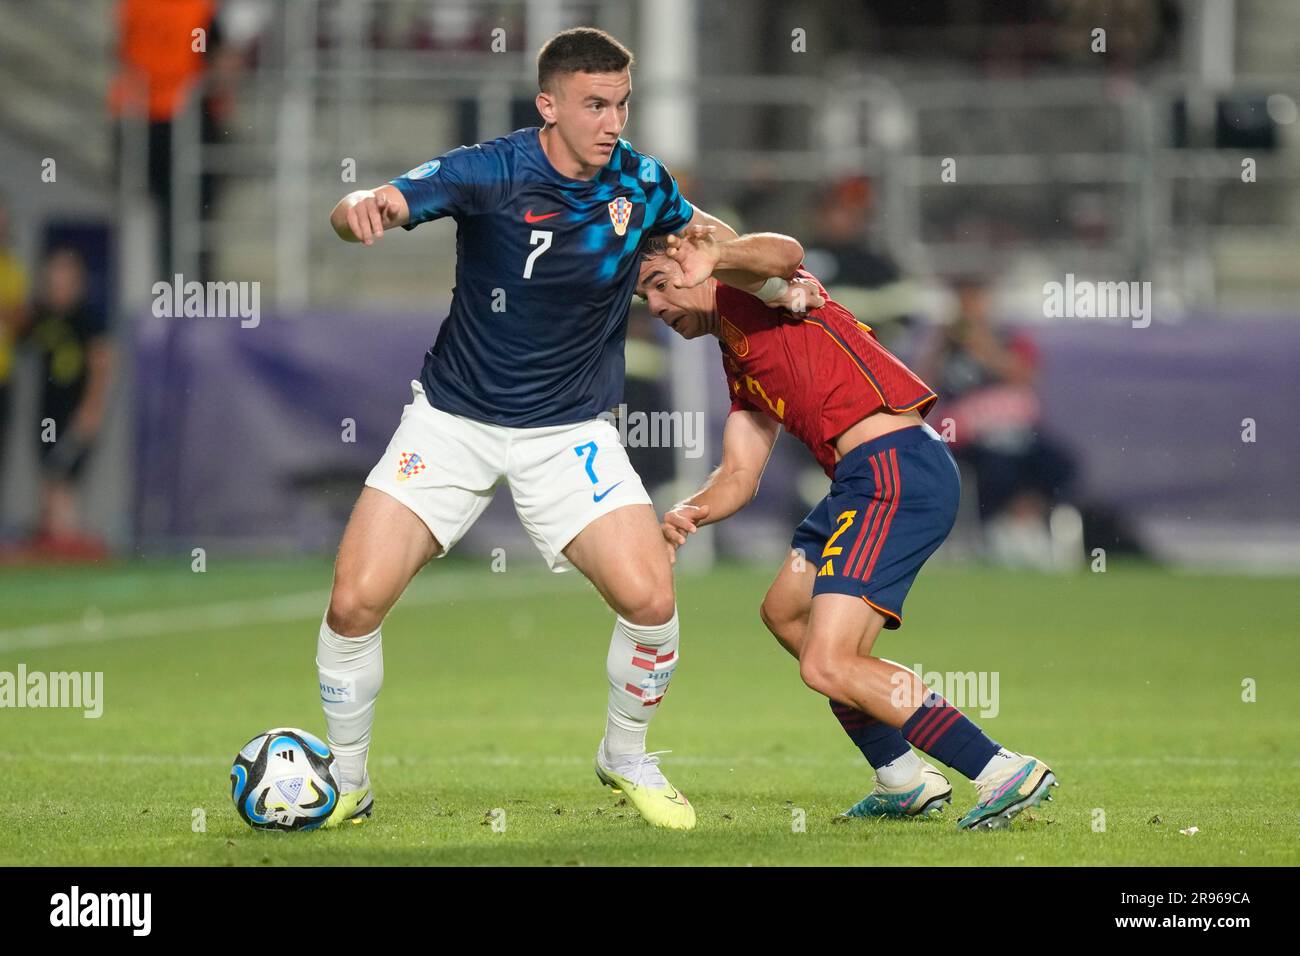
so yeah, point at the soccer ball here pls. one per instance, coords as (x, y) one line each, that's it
(284, 779)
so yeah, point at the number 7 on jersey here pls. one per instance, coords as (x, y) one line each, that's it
(544, 237)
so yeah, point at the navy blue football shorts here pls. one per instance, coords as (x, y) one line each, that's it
(891, 504)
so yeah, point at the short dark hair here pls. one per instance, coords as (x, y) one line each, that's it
(580, 50)
(654, 246)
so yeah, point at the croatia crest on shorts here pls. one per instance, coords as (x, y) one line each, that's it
(408, 465)
(620, 211)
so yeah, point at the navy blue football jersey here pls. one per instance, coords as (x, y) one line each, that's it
(545, 272)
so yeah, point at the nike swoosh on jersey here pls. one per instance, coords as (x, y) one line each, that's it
(597, 497)
(529, 217)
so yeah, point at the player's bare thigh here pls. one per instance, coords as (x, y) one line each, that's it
(622, 553)
(384, 545)
(788, 602)
(840, 627)
(837, 660)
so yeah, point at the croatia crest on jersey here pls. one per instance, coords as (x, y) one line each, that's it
(620, 211)
(408, 465)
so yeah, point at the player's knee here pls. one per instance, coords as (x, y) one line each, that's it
(820, 673)
(651, 607)
(356, 609)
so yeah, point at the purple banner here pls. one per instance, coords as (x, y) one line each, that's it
(241, 432)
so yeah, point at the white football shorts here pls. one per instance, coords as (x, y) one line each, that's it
(446, 468)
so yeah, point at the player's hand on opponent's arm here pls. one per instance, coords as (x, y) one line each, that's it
(362, 216)
(681, 521)
(697, 252)
(800, 296)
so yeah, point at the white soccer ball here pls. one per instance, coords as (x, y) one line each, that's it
(284, 779)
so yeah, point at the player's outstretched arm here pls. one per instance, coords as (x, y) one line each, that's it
(758, 263)
(740, 261)
(747, 441)
(362, 216)
(756, 256)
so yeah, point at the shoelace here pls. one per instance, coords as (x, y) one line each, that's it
(644, 770)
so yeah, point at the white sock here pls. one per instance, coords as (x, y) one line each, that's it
(642, 659)
(899, 770)
(351, 671)
(997, 762)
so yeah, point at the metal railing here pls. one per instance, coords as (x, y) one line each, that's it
(302, 103)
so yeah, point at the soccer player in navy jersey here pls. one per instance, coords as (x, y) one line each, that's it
(796, 359)
(550, 222)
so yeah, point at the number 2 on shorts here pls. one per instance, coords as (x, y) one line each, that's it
(845, 519)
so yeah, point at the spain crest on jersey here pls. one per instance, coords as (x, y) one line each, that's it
(408, 465)
(620, 211)
(736, 340)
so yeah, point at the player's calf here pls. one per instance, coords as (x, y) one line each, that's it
(787, 628)
(351, 673)
(622, 554)
(383, 546)
(787, 604)
(881, 744)
(640, 665)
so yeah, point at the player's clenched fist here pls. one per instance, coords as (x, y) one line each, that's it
(363, 216)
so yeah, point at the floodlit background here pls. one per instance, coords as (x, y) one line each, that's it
(943, 163)
(1079, 220)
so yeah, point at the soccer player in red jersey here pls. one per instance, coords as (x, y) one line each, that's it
(796, 359)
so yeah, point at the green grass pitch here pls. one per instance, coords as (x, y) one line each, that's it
(1128, 682)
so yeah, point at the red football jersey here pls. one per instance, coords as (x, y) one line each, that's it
(817, 374)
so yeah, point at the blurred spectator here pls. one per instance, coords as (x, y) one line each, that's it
(985, 380)
(864, 280)
(76, 363)
(159, 71)
(13, 298)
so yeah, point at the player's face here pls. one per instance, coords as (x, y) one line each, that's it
(685, 311)
(590, 111)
